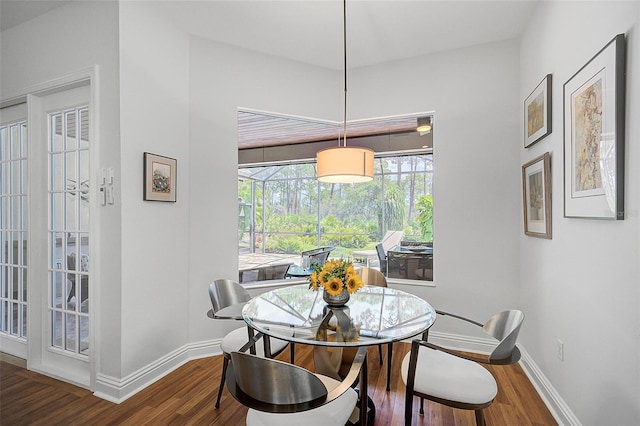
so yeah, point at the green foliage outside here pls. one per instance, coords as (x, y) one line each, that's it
(424, 207)
(349, 217)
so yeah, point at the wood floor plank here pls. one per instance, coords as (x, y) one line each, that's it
(187, 395)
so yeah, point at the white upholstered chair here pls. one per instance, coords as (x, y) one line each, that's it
(457, 379)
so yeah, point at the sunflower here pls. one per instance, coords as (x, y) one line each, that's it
(313, 281)
(353, 283)
(335, 275)
(324, 276)
(334, 287)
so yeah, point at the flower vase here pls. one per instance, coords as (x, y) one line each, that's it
(338, 300)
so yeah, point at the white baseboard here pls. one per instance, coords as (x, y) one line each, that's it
(118, 390)
(551, 398)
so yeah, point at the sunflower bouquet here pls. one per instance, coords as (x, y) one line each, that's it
(335, 276)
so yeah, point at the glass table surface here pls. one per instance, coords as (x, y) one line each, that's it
(372, 316)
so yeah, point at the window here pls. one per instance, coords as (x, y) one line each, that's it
(283, 209)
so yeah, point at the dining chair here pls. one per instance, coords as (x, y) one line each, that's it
(318, 256)
(374, 277)
(223, 293)
(281, 394)
(390, 240)
(455, 378)
(382, 259)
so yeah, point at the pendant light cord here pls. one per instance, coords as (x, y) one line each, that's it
(345, 72)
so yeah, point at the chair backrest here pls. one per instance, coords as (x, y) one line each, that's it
(284, 387)
(224, 292)
(382, 258)
(505, 327)
(372, 276)
(320, 257)
(392, 239)
(274, 272)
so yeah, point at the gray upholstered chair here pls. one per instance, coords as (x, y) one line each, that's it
(282, 394)
(457, 379)
(224, 293)
(318, 255)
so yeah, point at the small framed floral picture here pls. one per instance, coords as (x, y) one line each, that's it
(537, 113)
(536, 196)
(159, 178)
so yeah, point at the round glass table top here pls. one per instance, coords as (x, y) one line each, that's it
(373, 315)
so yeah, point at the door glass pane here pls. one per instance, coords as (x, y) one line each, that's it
(14, 318)
(24, 319)
(57, 167)
(57, 142)
(84, 335)
(71, 130)
(70, 337)
(15, 142)
(3, 316)
(56, 332)
(57, 211)
(71, 211)
(59, 289)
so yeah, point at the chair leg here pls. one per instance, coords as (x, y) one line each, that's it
(422, 406)
(389, 355)
(408, 408)
(380, 353)
(225, 364)
(479, 418)
(292, 352)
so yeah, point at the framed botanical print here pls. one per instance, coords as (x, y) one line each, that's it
(594, 110)
(159, 178)
(537, 113)
(536, 196)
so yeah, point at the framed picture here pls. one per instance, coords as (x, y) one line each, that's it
(537, 113)
(159, 178)
(536, 196)
(594, 110)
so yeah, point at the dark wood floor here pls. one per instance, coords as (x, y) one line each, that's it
(187, 397)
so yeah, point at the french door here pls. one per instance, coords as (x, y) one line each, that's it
(13, 230)
(59, 332)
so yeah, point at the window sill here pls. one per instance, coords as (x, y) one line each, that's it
(412, 283)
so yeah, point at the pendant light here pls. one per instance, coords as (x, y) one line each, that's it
(424, 125)
(344, 164)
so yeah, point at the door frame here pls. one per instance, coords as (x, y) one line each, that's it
(37, 298)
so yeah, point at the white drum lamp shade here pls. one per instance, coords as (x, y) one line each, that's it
(345, 164)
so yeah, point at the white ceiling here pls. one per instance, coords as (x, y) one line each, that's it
(310, 31)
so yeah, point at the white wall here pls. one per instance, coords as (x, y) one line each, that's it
(154, 93)
(223, 79)
(63, 42)
(474, 93)
(582, 286)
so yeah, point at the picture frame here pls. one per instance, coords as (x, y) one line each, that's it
(538, 112)
(160, 178)
(594, 112)
(536, 196)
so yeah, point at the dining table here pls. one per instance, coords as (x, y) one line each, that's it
(372, 316)
(298, 271)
